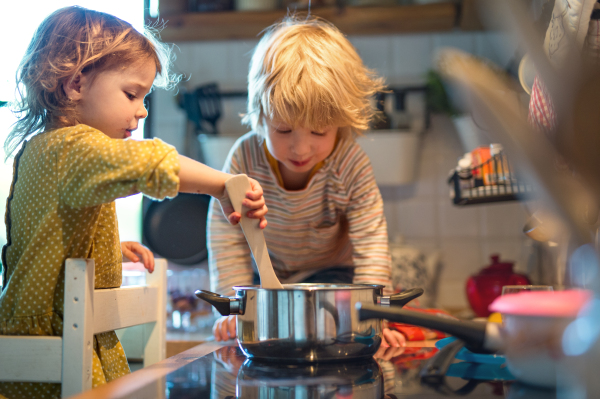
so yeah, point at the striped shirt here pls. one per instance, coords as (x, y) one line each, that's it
(336, 220)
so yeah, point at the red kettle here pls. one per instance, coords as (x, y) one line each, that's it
(485, 286)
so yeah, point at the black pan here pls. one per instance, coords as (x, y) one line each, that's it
(175, 229)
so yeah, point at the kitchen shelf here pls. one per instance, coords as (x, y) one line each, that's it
(366, 20)
(505, 185)
(488, 194)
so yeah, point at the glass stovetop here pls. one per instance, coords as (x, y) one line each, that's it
(395, 373)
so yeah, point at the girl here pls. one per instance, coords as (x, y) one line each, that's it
(82, 86)
(308, 94)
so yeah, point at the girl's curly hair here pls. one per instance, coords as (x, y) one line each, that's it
(76, 40)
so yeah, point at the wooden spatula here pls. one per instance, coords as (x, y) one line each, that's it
(237, 187)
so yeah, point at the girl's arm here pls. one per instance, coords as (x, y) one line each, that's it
(94, 169)
(195, 177)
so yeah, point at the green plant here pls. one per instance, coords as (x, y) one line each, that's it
(437, 96)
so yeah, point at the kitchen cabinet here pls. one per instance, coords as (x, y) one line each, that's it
(184, 26)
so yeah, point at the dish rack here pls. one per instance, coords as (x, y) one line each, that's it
(491, 181)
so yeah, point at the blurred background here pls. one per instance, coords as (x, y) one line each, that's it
(438, 239)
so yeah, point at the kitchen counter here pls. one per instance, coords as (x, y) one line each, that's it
(220, 370)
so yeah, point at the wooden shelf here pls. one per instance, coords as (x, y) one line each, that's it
(181, 27)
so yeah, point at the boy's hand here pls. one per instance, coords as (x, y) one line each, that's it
(230, 360)
(224, 328)
(393, 338)
(134, 251)
(254, 201)
(387, 353)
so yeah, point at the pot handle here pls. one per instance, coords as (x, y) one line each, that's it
(401, 298)
(472, 332)
(224, 304)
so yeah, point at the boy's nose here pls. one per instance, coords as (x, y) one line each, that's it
(300, 148)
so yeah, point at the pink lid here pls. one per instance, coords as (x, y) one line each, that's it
(542, 303)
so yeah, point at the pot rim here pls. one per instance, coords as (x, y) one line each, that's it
(310, 287)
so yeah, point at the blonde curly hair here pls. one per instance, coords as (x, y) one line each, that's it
(305, 72)
(70, 41)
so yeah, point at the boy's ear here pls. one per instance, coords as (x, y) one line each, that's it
(72, 87)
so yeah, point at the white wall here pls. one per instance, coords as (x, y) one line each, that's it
(422, 212)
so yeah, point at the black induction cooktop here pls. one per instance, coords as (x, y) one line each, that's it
(227, 374)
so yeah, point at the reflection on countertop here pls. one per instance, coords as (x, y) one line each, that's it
(220, 370)
(394, 373)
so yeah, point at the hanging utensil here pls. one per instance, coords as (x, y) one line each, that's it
(208, 100)
(237, 187)
(187, 100)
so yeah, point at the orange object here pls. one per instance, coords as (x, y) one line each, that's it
(413, 358)
(481, 167)
(416, 333)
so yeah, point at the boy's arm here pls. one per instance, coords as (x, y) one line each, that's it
(368, 234)
(368, 228)
(229, 256)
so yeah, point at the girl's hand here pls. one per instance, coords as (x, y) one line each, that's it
(133, 251)
(224, 328)
(230, 360)
(254, 201)
(393, 338)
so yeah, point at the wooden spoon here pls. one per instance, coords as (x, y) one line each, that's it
(237, 187)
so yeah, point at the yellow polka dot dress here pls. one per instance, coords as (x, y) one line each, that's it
(61, 205)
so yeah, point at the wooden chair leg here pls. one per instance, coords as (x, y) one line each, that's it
(156, 333)
(148, 341)
(78, 327)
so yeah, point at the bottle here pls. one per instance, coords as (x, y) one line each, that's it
(499, 164)
(464, 172)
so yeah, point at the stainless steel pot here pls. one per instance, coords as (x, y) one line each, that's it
(306, 322)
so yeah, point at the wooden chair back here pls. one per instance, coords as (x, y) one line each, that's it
(88, 312)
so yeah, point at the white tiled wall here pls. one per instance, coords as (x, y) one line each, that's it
(466, 236)
(422, 211)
